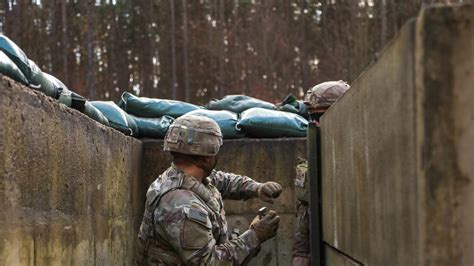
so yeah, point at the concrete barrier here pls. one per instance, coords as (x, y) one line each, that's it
(67, 188)
(397, 150)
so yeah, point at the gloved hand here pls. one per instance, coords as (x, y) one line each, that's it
(266, 227)
(269, 190)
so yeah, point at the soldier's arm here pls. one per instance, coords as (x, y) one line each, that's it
(235, 187)
(190, 235)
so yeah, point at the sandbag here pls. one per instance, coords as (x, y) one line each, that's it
(117, 118)
(10, 69)
(226, 120)
(150, 107)
(33, 74)
(293, 105)
(43, 82)
(65, 96)
(95, 114)
(238, 103)
(16, 54)
(264, 123)
(152, 127)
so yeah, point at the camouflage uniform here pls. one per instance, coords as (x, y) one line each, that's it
(189, 220)
(317, 99)
(301, 244)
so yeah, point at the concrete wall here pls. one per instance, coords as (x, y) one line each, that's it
(397, 150)
(261, 159)
(67, 185)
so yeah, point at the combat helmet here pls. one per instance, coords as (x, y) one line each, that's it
(194, 135)
(323, 95)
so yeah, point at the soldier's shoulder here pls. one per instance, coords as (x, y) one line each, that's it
(175, 205)
(179, 198)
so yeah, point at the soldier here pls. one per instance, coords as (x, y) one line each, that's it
(184, 221)
(317, 99)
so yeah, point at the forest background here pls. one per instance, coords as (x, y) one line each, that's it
(197, 50)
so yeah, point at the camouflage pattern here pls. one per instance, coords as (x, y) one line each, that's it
(301, 183)
(325, 94)
(301, 246)
(186, 222)
(195, 135)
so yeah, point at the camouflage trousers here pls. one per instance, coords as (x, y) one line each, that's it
(301, 246)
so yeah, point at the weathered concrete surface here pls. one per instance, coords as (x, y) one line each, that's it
(261, 159)
(334, 257)
(445, 119)
(368, 152)
(398, 148)
(67, 185)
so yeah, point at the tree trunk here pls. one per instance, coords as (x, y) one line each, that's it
(221, 59)
(173, 53)
(65, 41)
(91, 71)
(187, 92)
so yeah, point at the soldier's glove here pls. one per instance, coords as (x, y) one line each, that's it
(269, 190)
(266, 227)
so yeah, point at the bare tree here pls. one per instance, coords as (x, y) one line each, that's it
(174, 93)
(187, 92)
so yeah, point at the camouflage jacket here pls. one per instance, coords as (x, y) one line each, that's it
(301, 246)
(186, 224)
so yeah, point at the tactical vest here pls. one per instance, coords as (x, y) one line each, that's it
(146, 247)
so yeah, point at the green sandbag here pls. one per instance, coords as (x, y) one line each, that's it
(226, 120)
(152, 127)
(293, 105)
(150, 107)
(30, 70)
(43, 81)
(117, 118)
(9, 69)
(95, 114)
(264, 123)
(65, 96)
(15, 54)
(238, 103)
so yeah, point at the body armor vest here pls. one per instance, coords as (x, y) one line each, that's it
(146, 246)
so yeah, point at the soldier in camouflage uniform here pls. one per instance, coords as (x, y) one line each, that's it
(184, 221)
(317, 99)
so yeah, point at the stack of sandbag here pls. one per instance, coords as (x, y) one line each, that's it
(153, 116)
(15, 64)
(237, 115)
(261, 119)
